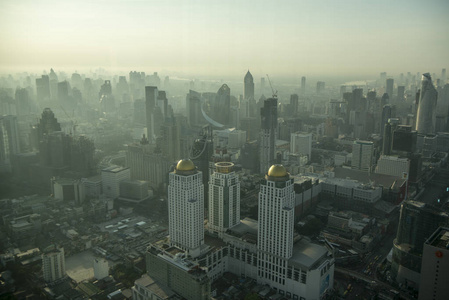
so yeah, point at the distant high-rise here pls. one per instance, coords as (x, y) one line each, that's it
(43, 88)
(443, 75)
(303, 84)
(186, 207)
(320, 85)
(362, 155)
(107, 101)
(387, 113)
(53, 264)
(193, 107)
(401, 91)
(151, 95)
(9, 141)
(224, 198)
(111, 177)
(301, 143)
(294, 102)
(222, 108)
(404, 139)
(23, 103)
(389, 87)
(276, 225)
(387, 139)
(426, 114)
(248, 86)
(269, 116)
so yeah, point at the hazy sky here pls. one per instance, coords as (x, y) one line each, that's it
(226, 37)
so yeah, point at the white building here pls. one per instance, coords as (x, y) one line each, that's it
(362, 155)
(301, 143)
(53, 264)
(186, 207)
(393, 165)
(224, 198)
(111, 177)
(101, 268)
(68, 190)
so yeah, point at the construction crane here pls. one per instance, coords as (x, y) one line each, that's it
(275, 92)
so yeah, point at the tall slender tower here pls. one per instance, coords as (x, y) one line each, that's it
(151, 95)
(186, 207)
(389, 88)
(248, 86)
(276, 218)
(426, 115)
(224, 198)
(269, 116)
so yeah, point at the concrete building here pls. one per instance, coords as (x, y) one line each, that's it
(101, 268)
(426, 114)
(393, 165)
(68, 190)
(133, 191)
(301, 143)
(53, 264)
(268, 132)
(9, 142)
(186, 207)
(435, 266)
(248, 86)
(389, 87)
(362, 155)
(224, 198)
(111, 178)
(146, 288)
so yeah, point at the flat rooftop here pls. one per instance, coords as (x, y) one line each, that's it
(440, 238)
(307, 254)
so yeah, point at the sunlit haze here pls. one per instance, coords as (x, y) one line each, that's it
(220, 38)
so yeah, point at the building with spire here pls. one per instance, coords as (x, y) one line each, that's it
(248, 86)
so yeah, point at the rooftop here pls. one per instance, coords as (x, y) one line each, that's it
(440, 239)
(306, 254)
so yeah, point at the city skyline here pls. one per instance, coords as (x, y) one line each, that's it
(212, 39)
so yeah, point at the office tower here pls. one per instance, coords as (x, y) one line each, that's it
(186, 207)
(224, 198)
(389, 87)
(362, 155)
(146, 165)
(262, 85)
(151, 94)
(222, 107)
(384, 100)
(169, 140)
(387, 139)
(387, 113)
(276, 221)
(269, 120)
(53, 264)
(9, 142)
(122, 89)
(383, 78)
(193, 107)
(162, 102)
(248, 86)
(417, 222)
(404, 139)
(101, 268)
(401, 91)
(23, 102)
(43, 88)
(54, 150)
(294, 102)
(426, 114)
(82, 152)
(106, 99)
(435, 266)
(320, 85)
(111, 177)
(303, 84)
(443, 75)
(301, 143)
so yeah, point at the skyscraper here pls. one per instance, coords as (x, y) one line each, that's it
(9, 141)
(389, 87)
(151, 94)
(303, 84)
(386, 114)
(301, 143)
(426, 115)
(43, 88)
(186, 207)
(269, 116)
(248, 86)
(224, 198)
(401, 91)
(276, 220)
(222, 109)
(362, 155)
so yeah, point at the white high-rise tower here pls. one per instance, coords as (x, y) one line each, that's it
(224, 198)
(53, 264)
(186, 207)
(426, 114)
(276, 221)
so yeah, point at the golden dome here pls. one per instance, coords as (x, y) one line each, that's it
(185, 165)
(277, 171)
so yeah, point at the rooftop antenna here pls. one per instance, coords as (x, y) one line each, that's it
(275, 92)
